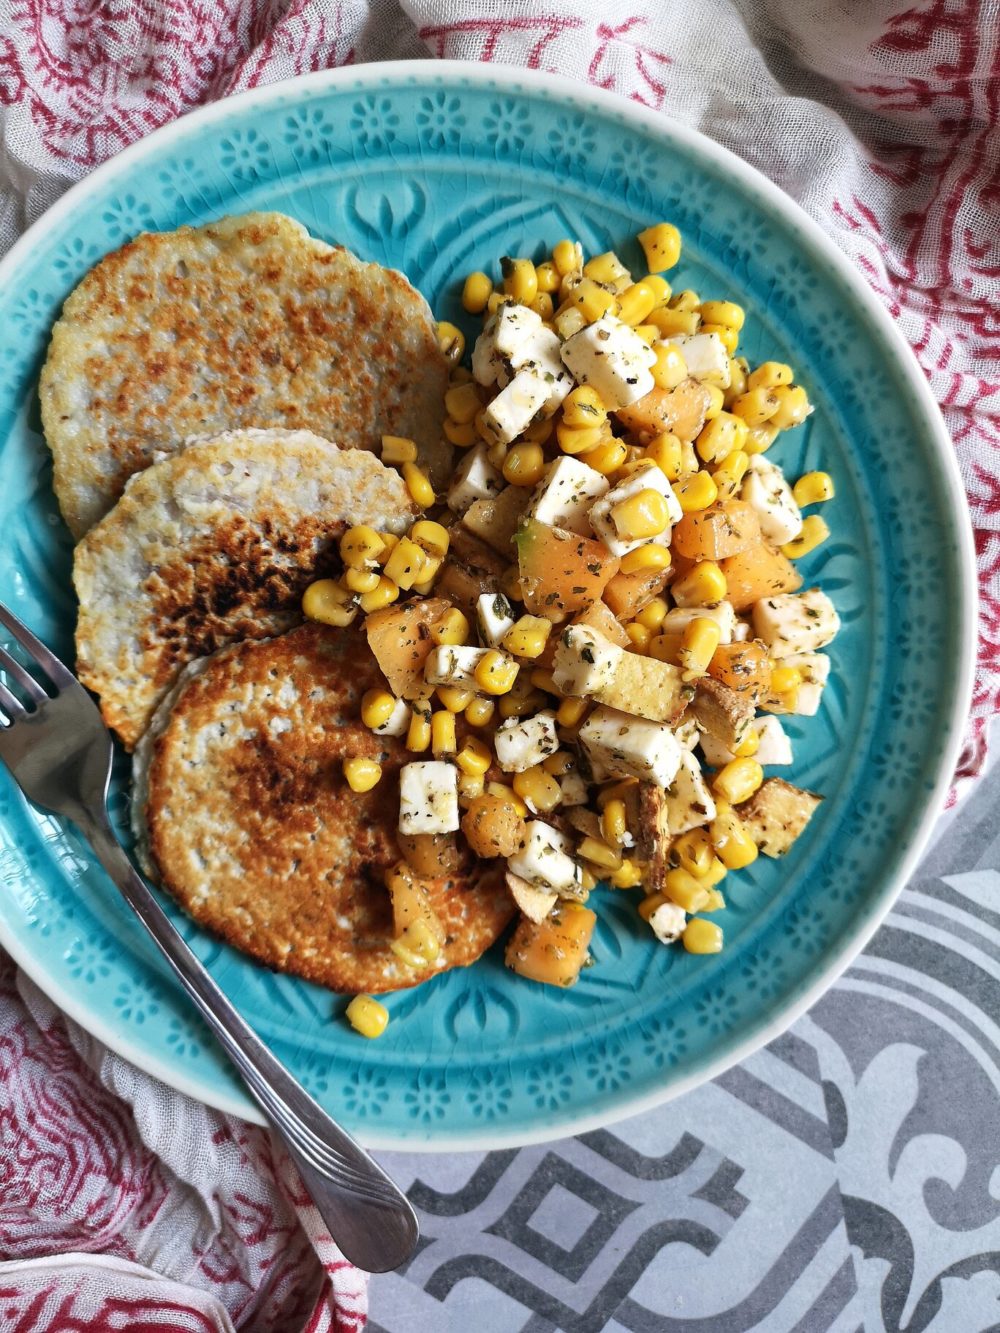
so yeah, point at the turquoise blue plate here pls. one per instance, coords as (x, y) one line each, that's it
(438, 169)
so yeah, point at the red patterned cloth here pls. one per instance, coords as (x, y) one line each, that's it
(881, 120)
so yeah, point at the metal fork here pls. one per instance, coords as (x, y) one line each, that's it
(59, 751)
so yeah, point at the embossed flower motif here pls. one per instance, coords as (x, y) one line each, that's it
(315, 1073)
(755, 236)
(894, 765)
(89, 962)
(185, 1039)
(374, 122)
(717, 1010)
(507, 126)
(73, 259)
(134, 1003)
(633, 160)
(572, 143)
(608, 1069)
(489, 1097)
(245, 155)
(549, 1085)
(763, 973)
(429, 1099)
(806, 930)
(185, 185)
(307, 134)
(796, 282)
(127, 217)
(440, 120)
(28, 311)
(366, 1095)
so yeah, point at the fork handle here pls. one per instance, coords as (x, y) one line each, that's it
(368, 1216)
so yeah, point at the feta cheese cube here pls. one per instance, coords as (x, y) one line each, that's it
(688, 734)
(705, 356)
(742, 631)
(475, 478)
(428, 797)
(769, 494)
(584, 661)
(453, 664)
(544, 860)
(808, 698)
(668, 922)
(398, 721)
(510, 330)
(795, 622)
(613, 359)
(773, 745)
(815, 667)
(522, 742)
(516, 406)
(689, 802)
(677, 620)
(643, 479)
(563, 497)
(618, 745)
(494, 616)
(575, 790)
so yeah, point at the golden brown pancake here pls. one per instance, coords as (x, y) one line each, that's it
(245, 817)
(248, 321)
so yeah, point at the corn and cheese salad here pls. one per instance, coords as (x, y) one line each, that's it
(590, 640)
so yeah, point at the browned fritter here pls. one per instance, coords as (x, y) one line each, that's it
(252, 827)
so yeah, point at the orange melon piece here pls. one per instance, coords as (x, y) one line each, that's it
(560, 571)
(552, 950)
(680, 411)
(756, 572)
(717, 532)
(400, 638)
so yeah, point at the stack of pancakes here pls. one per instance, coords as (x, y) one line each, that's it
(212, 398)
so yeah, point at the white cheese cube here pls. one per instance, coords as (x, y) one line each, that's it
(453, 664)
(613, 359)
(543, 356)
(618, 745)
(584, 661)
(643, 479)
(565, 494)
(475, 478)
(544, 860)
(795, 622)
(808, 697)
(428, 797)
(494, 616)
(769, 494)
(815, 667)
(705, 356)
(510, 330)
(678, 619)
(742, 631)
(773, 745)
(668, 922)
(575, 791)
(398, 721)
(522, 742)
(687, 733)
(516, 406)
(689, 802)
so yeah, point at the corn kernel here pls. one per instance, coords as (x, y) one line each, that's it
(328, 603)
(738, 780)
(651, 904)
(727, 313)
(407, 563)
(659, 286)
(398, 449)
(496, 300)
(613, 823)
(639, 637)
(559, 764)
(570, 712)
(717, 401)
(793, 406)
(728, 337)
(704, 584)
(669, 368)
(539, 790)
(362, 774)
(497, 453)
(451, 628)
(443, 740)
(390, 540)
(616, 791)
(785, 678)
(470, 788)
(418, 737)
(812, 489)
(627, 876)
(698, 644)
(521, 700)
(462, 403)
(524, 465)
(673, 322)
(451, 341)
(756, 406)
(607, 269)
(495, 672)
(544, 680)
(578, 439)
(723, 435)
(567, 257)
(507, 793)
(519, 279)
(474, 758)
(454, 698)
(686, 300)
(653, 613)
(361, 580)
(694, 852)
(528, 636)
(460, 434)
(539, 431)
(361, 546)
(476, 292)
(815, 531)
(648, 557)
(480, 712)
(717, 872)
(607, 457)
(760, 438)
(696, 492)
(682, 888)
(737, 380)
(728, 476)
(433, 537)
(592, 300)
(749, 746)
(547, 277)
(584, 407)
(384, 595)
(599, 854)
(641, 516)
(418, 484)
(661, 244)
(667, 452)
(649, 333)
(376, 708)
(666, 648)
(636, 303)
(417, 945)
(543, 306)
(510, 584)
(733, 844)
(702, 937)
(769, 374)
(366, 1016)
(716, 902)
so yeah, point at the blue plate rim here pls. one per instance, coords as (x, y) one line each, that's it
(569, 92)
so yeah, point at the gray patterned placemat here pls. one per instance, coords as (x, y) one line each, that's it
(845, 1178)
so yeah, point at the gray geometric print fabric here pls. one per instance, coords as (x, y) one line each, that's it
(846, 1178)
